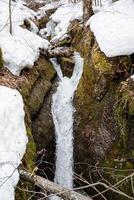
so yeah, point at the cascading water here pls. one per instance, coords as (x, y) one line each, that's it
(62, 112)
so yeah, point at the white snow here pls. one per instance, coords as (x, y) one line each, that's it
(13, 140)
(62, 112)
(98, 5)
(48, 6)
(113, 28)
(20, 49)
(49, 30)
(62, 18)
(132, 77)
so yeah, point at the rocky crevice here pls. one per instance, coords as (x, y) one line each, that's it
(104, 103)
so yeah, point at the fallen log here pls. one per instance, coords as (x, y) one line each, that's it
(52, 187)
(57, 52)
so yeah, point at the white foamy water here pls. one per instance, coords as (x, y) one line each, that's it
(62, 112)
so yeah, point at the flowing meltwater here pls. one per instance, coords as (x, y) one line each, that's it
(62, 112)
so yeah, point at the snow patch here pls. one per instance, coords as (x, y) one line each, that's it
(98, 5)
(62, 18)
(132, 77)
(21, 49)
(13, 140)
(113, 28)
(48, 6)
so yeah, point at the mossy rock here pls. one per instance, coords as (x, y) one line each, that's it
(64, 42)
(101, 63)
(124, 112)
(30, 155)
(119, 160)
(118, 165)
(98, 135)
(81, 41)
(67, 66)
(37, 95)
(28, 162)
(37, 84)
(45, 68)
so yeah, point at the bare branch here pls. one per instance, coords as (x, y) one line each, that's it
(10, 16)
(51, 187)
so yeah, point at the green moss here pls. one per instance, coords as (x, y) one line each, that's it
(92, 113)
(28, 163)
(86, 43)
(24, 92)
(131, 106)
(30, 155)
(121, 120)
(83, 42)
(101, 63)
(33, 86)
(124, 110)
(64, 60)
(117, 166)
(76, 34)
(64, 42)
(121, 151)
(37, 95)
(19, 193)
(46, 69)
(125, 61)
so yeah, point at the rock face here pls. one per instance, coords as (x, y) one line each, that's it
(67, 66)
(103, 126)
(104, 117)
(33, 84)
(42, 124)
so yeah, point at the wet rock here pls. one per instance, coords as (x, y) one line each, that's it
(67, 66)
(33, 84)
(42, 124)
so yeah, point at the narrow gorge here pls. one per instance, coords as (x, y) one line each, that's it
(78, 100)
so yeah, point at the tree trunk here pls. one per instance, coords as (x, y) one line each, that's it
(87, 10)
(10, 17)
(52, 187)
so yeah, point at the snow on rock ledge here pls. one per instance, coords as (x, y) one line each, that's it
(61, 19)
(13, 140)
(113, 28)
(21, 49)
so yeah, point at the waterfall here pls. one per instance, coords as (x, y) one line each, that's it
(62, 112)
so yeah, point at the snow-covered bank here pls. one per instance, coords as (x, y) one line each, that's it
(13, 140)
(113, 28)
(61, 19)
(49, 6)
(98, 5)
(20, 49)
